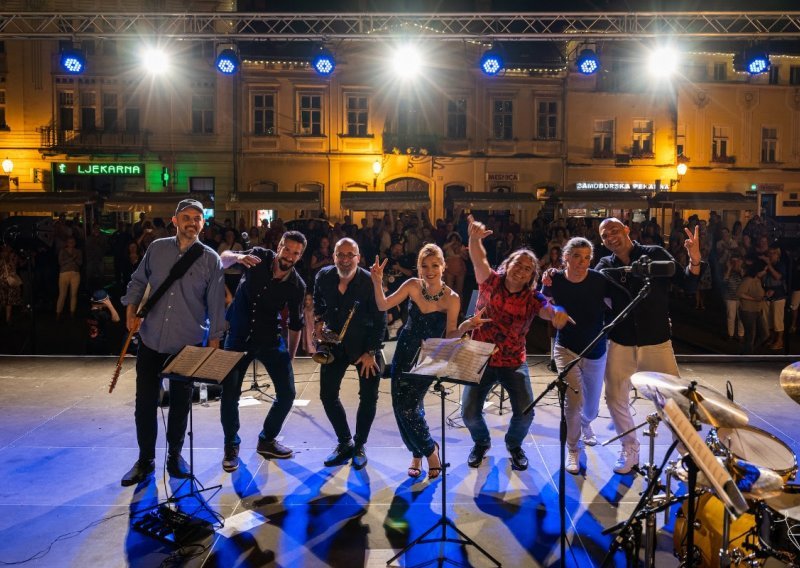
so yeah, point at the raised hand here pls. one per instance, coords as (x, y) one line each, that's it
(477, 229)
(692, 244)
(376, 270)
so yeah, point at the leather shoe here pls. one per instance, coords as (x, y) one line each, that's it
(273, 449)
(177, 466)
(359, 458)
(140, 471)
(476, 455)
(341, 455)
(519, 460)
(230, 461)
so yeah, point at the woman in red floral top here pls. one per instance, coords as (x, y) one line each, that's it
(511, 303)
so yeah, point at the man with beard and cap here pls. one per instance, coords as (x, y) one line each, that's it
(270, 283)
(191, 312)
(336, 290)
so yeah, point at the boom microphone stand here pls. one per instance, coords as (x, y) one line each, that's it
(562, 385)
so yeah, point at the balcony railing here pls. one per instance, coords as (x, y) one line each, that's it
(642, 155)
(411, 143)
(52, 138)
(723, 159)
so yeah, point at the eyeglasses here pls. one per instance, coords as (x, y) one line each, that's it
(345, 255)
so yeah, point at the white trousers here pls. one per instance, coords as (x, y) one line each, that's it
(586, 377)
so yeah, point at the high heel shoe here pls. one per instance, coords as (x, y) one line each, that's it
(415, 471)
(434, 472)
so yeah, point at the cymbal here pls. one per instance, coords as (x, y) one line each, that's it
(712, 406)
(753, 481)
(790, 381)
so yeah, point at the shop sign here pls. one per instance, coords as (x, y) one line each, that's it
(119, 169)
(620, 186)
(502, 177)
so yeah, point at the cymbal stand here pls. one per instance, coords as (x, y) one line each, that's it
(652, 473)
(254, 386)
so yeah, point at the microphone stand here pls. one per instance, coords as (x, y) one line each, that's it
(561, 383)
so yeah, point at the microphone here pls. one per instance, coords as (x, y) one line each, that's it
(245, 241)
(643, 266)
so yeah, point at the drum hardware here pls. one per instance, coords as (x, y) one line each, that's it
(749, 446)
(790, 381)
(329, 339)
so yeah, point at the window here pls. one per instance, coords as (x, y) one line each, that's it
(357, 115)
(794, 75)
(502, 119)
(310, 113)
(720, 142)
(131, 115)
(546, 120)
(457, 119)
(202, 114)
(110, 112)
(769, 144)
(720, 71)
(408, 119)
(680, 142)
(642, 138)
(603, 138)
(774, 74)
(3, 124)
(264, 114)
(88, 111)
(66, 120)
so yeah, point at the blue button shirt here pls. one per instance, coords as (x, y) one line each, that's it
(191, 310)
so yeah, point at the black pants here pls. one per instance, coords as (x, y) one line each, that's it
(149, 364)
(330, 382)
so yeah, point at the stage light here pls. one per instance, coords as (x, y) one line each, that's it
(228, 62)
(73, 61)
(663, 61)
(407, 61)
(587, 62)
(757, 62)
(491, 62)
(323, 62)
(155, 60)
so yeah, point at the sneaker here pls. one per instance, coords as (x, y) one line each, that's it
(476, 455)
(231, 460)
(273, 449)
(340, 455)
(628, 459)
(519, 460)
(588, 436)
(573, 461)
(140, 471)
(177, 466)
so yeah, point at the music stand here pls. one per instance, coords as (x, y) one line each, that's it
(444, 521)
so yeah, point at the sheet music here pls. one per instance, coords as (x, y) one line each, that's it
(462, 359)
(188, 361)
(218, 365)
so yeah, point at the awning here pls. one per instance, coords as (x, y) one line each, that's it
(491, 200)
(155, 203)
(602, 199)
(46, 200)
(704, 200)
(252, 200)
(385, 200)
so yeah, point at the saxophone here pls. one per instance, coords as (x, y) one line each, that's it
(328, 339)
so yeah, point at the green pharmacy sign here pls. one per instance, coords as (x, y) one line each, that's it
(95, 169)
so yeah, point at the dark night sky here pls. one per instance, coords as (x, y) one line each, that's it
(484, 6)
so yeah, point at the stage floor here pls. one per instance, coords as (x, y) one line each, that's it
(66, 442)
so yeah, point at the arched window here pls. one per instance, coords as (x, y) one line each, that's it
(407, 184)
(262, 185)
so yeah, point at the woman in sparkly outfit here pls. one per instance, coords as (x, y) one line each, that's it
(433, 312)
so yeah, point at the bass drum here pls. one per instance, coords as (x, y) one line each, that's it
(708, 531)
(778, 520)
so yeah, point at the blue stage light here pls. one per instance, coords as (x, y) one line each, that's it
(228, 62)
(491, 62)
(324, 63)
(587, 62)
(757, 62)
(73, 61)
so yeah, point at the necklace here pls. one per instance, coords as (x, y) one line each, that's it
(432, 297)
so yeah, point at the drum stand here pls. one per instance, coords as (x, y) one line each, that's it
(444, 521)
(254, 386)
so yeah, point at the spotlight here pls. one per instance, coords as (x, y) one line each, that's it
(491, 62)
(154, 60)
(73, 61)
(663, 61)
(227, 62)
(757, 62)
(323, 62)
(587, 62)
(406, 61)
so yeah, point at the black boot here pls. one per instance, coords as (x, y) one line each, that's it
(141, 470)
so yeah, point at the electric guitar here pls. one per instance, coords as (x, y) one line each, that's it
(134, 330)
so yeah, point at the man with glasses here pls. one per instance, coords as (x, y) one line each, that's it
(337, 288)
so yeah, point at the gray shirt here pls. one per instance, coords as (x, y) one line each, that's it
(192, 309)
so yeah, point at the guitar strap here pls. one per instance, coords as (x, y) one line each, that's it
(176, 272)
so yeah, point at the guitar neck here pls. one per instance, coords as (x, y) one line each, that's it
(121, 359)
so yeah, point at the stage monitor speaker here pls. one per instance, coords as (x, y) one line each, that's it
(26, 233)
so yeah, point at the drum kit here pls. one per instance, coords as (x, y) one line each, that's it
(765, 527)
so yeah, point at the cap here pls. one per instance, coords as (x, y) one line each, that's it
(99, 295)
(186, 203)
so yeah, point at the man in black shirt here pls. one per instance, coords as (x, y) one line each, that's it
(270, 284)
(641, 342)
(336, 290)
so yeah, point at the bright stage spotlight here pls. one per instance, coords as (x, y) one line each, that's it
(491, 62)
(587, 62)
(663, 61)
(756, 62)
(228, 61)
(155, 60)
(407, 61)
(323, 62)
(73, 61)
